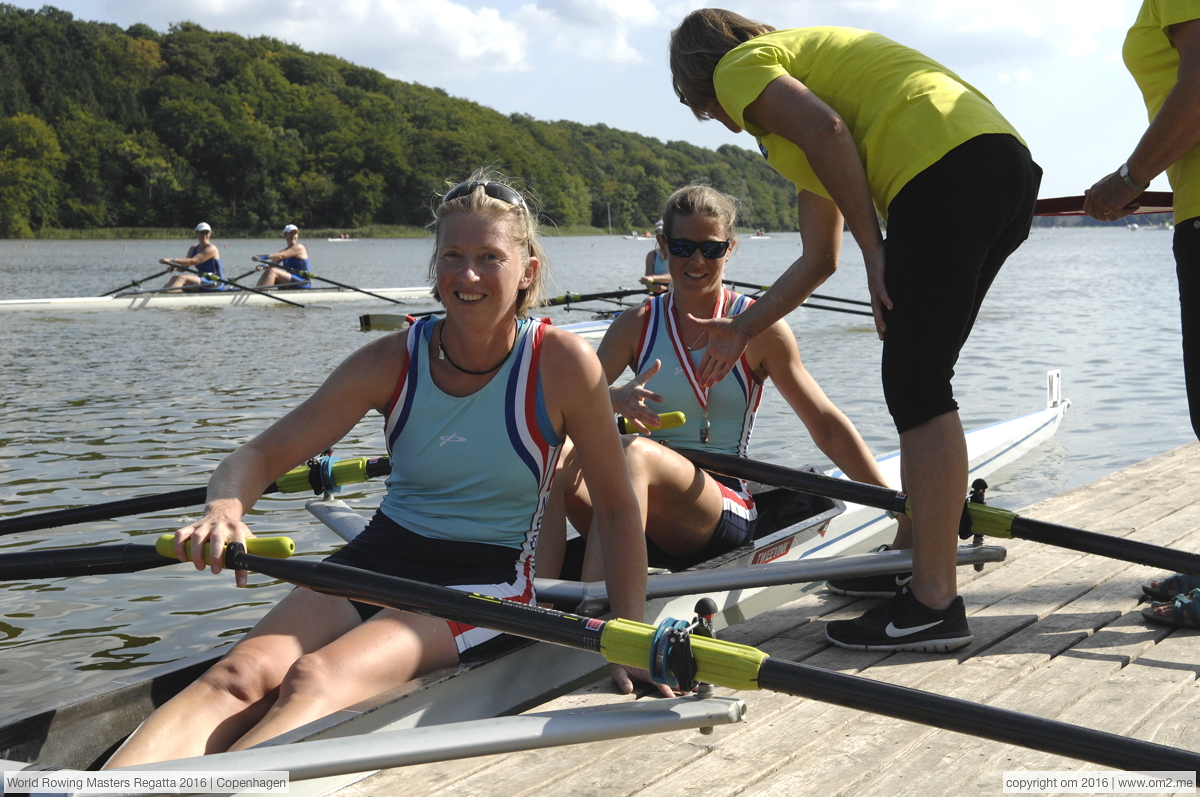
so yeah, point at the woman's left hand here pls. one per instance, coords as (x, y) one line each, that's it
(876, 270)
(1110, 199)
(624, 676)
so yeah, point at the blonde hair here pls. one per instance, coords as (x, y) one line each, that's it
(704, 200)
(520, 221)
(698, 45)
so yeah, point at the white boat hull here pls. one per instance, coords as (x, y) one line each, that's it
(150, 299)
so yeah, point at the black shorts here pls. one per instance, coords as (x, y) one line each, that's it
(949, 230)
(739, 518)
(1187, 267)
(385, 546)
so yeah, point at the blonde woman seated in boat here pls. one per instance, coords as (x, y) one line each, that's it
(691, 515)
(476, 407)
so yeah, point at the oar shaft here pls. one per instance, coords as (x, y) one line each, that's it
(112, 509)
(313, 276)
(987, 722)
(531, 622)
(65, 563)
(1106, 545)
(812, 306)
(571, 298)
(349, 471)
(985, 520)
(223, 281)
(135, 283)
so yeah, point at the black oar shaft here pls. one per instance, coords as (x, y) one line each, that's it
(135, 283)
(112, 509)
(988, 722)
(572, 298)
(1015, 526)
(1141, 553)
(780, 676)
(380, 466)
(819, 296)
(311, 275)
(68, 562)
(531, 622)
(224, 281)
(837, 309)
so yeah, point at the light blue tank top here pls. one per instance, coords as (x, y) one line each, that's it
(731, 403)
(475, 468)
(660, 265)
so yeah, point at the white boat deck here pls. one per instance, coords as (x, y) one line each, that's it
(140, 300)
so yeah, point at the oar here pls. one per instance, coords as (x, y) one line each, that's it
(320, 477)
(817, 296)
(390, 322)
(223, 281)
(243, 276)
(987, 520)
(127, 558)
(1149, 202)
(312, 276)
(135, 283)
(572, 298)
(719, 662)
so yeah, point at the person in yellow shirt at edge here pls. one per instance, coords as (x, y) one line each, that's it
(861, 124)
(1162, 52)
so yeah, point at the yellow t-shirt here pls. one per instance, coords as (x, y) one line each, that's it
(1154, 63)
(904, 110)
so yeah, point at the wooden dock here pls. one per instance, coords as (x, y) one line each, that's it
(1057, 634)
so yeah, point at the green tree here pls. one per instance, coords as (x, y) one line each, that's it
(30, 163)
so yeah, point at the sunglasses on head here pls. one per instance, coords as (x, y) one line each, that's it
(495, 190)
(712, 250)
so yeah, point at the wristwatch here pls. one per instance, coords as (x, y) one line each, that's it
(1123, 173)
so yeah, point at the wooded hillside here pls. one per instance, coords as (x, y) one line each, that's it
(103, 127)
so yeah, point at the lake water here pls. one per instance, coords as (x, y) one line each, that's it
(106, 405)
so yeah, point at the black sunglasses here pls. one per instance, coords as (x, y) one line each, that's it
(495, 190)
(712, 250)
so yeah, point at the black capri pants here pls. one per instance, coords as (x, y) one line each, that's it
(981, 195)
(1187, 266)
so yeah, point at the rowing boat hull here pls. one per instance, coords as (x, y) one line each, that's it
(518, 674)
(151, 299)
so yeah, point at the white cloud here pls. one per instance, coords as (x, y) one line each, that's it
(431, 41)
(593, 30)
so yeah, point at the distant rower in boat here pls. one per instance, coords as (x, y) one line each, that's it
(693, 515)
(866, 127)
(204, 257)
(283, 268)
(476, 407)
(658, 276)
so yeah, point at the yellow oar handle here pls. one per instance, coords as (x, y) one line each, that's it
(345, 471)
(990, 521)
(723, 663)
(666, 420)
(273, 547)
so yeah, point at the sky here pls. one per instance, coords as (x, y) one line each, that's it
(1052, 67)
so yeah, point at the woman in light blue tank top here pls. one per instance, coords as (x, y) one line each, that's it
(663, 344)
(475, 406)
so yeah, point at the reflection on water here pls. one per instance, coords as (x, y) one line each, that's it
(106, 405)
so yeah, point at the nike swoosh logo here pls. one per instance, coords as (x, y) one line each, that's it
(896, 633)
(903, 582)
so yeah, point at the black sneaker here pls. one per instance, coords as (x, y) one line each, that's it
(904, 623)
(887, 585)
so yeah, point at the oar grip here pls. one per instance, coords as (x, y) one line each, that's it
(666, 420)
(271, 547)
(724, 663)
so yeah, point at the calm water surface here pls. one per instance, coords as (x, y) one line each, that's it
(106, 405)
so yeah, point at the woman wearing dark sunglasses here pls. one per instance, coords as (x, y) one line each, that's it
(863, 125)
(692, 515)
(475, 408)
